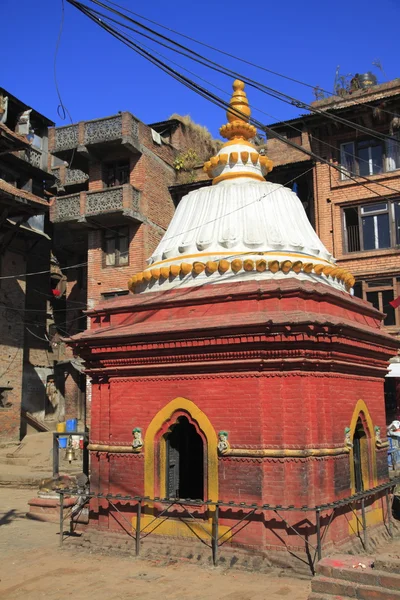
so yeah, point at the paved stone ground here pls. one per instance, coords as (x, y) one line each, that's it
(33, 567)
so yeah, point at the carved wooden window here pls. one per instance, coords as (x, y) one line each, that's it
(116, 173)
(116, 247)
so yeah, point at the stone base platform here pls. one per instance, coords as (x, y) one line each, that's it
(46, 507)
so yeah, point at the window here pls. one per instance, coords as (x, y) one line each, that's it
(116, 247)
(116, 173)
(372, 226)
(369, 157)
(380, 292)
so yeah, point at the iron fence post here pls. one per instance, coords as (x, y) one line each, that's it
(389, 513)
(214, 540)
(318, 523)
(61, 518)
(56, 453)
(138, 519)
(364, 524)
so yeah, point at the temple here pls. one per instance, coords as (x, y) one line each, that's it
(241, 369)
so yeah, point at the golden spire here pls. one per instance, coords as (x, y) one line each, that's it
(238, 126)
(238, 158)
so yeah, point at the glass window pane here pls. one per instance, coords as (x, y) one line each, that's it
(123, 250)
(383, 233)
(369, 208)
(347, 159)
(364, 162)
(373, 297)
(368, 233)
(377, 159)
(358, 289)
(110, 251)
(392, 155)
(387, 296)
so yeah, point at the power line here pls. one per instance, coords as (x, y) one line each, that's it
(238, 58)
(210, 47)
(42, 272)
(212, 65)
(325, 143)
(216, 99)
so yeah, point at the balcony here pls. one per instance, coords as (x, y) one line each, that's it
(66, 177)
(109, 204)
(97, 136)
(36, 161)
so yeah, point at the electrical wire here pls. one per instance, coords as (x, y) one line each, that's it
(293, 127)
(62, 110)
(265, 69)
(216, 66)
(219, 101)
(42, 272)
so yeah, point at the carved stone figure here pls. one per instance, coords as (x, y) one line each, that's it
(52, 393)
(137, 442)
(223, 444)
(347, 437)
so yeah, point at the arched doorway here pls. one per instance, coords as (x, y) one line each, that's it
(184, 461)
(360, 456)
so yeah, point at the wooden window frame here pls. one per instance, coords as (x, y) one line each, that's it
(117, 166)
(115, 233)
(392, 224)
(395, 287)
(356, 143)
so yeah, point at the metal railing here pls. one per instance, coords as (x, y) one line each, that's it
(216, 539)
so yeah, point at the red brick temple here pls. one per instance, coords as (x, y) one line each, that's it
(241, 369)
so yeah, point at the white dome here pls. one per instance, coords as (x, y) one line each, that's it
(241, 227)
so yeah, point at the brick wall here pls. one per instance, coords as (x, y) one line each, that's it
(12, 294)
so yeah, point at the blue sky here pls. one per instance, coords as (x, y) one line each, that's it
(98, 76)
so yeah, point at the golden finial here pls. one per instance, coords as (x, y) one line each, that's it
(238, 126)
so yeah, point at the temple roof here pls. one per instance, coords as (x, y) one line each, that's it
(240, 228)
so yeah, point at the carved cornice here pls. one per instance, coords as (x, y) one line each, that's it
(236, 375)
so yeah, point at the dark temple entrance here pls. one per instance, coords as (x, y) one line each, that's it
(185, 462)
(360, 456)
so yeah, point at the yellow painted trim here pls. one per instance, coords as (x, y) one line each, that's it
(285, 452)
(370, 479)
(361, 407)
(179, 527)
(239, 141)
(235, 175)
(252, 252)
(114, 449)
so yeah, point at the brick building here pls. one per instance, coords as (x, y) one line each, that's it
(355, 211)
(26, 360)
(113, 206)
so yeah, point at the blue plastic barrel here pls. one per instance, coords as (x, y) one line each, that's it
(62, 441)
(71, 425)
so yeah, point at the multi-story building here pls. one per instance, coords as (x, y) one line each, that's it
(355, 209)
(112, 207)
(26, 362)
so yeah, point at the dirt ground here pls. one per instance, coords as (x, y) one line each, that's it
(33, 567)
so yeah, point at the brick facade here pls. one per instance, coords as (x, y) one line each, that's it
(277, 384)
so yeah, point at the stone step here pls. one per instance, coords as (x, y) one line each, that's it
(318, 596)
(379, 577)
(337, 588)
